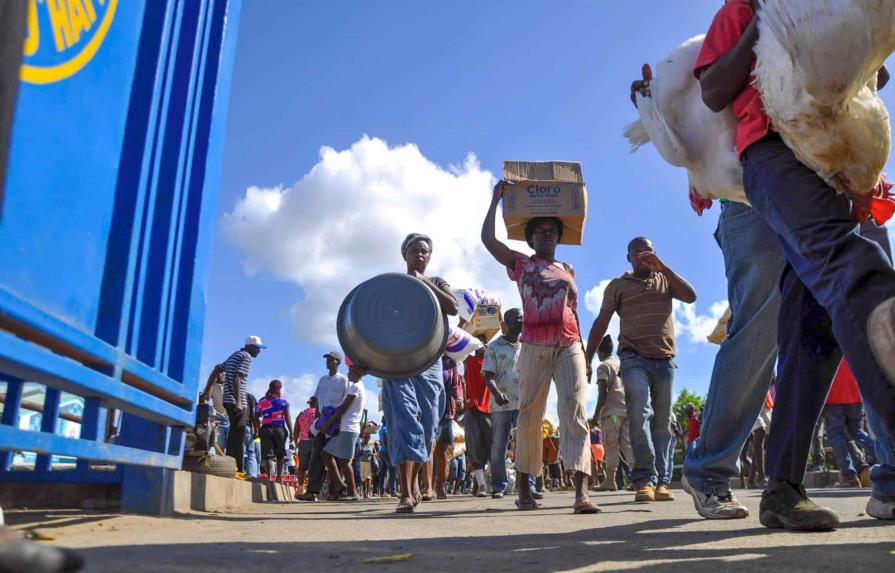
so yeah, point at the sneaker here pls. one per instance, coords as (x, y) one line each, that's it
(786, 506)
(881, 508)
(307, 496)
(715, 505)
(497, 495)
(881, 334)
(645, 493)
(663, 493)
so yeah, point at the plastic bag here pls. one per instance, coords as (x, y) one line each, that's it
(461, 344)
(469, 298)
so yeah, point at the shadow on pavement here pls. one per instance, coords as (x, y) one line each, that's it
(657, 545)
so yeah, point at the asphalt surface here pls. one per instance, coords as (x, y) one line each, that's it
(465, 534)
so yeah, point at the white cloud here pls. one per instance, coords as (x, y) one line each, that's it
(343, 222)
(696, 327)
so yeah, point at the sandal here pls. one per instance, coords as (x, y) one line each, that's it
(586, 508)
(527, 505)
(404, 508)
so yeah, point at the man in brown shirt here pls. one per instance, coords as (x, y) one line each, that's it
(642, 298)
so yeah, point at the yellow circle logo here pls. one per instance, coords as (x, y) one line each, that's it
(63, 36)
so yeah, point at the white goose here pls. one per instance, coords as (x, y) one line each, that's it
(816, 66)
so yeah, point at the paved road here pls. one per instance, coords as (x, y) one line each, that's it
(465, 534)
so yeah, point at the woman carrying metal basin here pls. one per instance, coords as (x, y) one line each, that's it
(395, 326)
(413, 406)
(551, 349)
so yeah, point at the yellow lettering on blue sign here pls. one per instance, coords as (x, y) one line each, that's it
(32, 41)
(78, 31)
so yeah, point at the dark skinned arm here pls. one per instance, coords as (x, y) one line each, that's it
(446, 298)
(499, 396)
(289, 434)
(680, 288)
(601, 400)
(212, 379)
(597, 332)
(725, 79)
(502, 253)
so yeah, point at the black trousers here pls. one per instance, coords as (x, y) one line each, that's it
(316, 470)
(236, 439)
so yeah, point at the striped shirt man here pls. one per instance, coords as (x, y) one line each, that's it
(236, 371)
(644, 307)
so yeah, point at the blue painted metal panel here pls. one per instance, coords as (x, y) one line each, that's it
(107, 224)
(45, 443)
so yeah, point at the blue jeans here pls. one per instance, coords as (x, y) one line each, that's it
(648, 386)
(252, 453)
(458, 468)
(502, 423)
(753, 263)
(883, 474)
(833, 279)
(413, 408)
(843, 421)
(223, 430)
(388, 476)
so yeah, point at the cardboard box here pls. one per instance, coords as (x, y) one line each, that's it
(545, 189)
(486, 321)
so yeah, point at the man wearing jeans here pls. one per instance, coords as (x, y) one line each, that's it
(642, 298)
(844, 414)
(838, 288)
(503, 382)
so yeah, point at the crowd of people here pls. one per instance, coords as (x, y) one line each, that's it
(810, 295)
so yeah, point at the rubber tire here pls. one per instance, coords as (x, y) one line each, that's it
(222, 466)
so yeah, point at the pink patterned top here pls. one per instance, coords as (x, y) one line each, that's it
(549, 299)
(305, 421)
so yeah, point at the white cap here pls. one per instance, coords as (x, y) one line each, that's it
(254, 341)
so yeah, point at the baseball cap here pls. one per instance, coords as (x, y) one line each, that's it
(334, 354)
(254, 341)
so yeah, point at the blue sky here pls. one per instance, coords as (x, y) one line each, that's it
(424, 101)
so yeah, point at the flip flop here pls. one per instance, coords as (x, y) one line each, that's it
(404, 508)
(528, 505)
(587, 509)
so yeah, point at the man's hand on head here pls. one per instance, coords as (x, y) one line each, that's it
(652, 261)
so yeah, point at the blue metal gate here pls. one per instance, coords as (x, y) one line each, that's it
(105, 230)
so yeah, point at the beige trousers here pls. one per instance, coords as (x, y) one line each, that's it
(565, 366)
(615, 440)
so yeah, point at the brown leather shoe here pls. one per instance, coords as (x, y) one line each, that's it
(645, 493)
(663, 493)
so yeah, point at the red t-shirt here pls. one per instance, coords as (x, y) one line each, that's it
(845, 387)
(478, 396)
(692, 427)
(728, 26)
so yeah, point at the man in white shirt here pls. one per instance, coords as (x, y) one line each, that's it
(330, 393)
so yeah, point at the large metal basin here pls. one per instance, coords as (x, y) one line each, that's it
(393, 324)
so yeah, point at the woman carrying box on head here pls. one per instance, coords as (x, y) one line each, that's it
(551, 349)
